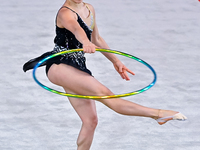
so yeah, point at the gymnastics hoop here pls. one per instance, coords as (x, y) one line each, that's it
(95, 97)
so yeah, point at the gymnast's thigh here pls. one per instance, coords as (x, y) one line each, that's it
(76, 81)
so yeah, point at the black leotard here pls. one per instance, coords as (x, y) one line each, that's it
(65, 40)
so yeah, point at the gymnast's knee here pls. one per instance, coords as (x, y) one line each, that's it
(104, 91)
(90, 123)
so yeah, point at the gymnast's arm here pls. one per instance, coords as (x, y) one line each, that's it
(100, 42)
(68, 19)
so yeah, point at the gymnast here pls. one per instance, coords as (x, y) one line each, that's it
(76, 28)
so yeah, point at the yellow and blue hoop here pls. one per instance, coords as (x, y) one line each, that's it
(95, 97)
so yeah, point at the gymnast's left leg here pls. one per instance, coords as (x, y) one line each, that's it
(81, 83)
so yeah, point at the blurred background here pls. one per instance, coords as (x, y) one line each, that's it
(163, 33)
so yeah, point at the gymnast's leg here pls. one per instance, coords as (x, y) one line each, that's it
(86, 110)
(79, 82)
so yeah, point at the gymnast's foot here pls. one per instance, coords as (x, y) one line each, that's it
(166, 115)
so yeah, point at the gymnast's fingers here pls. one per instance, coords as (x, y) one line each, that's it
(130, 71)
(126, 77)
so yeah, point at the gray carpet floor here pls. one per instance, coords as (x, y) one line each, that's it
(166, 34)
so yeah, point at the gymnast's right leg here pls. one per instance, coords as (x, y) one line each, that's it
(86, 110)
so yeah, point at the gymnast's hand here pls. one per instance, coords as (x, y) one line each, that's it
(122, 70)
(89, 47)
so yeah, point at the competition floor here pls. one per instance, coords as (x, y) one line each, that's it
(164, 33)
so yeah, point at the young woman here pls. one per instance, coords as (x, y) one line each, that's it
(76, 28)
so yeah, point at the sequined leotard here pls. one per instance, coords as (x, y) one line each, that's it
(65, 40)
